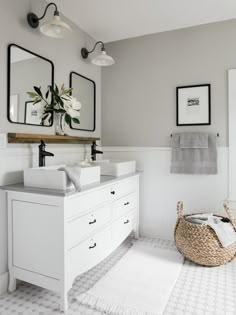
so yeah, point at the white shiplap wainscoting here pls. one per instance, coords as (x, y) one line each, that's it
(160, 190)
(13, 160)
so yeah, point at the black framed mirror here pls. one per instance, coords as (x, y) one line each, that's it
(84, 90)
(25, 70)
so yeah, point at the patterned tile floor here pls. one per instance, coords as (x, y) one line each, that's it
(198, 291)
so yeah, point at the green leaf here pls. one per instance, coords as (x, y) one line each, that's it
(59, 110)
(76, 120)
(67, 119)
(47, 93)
(56, 90)
(68, 91)
(32, 94)
(60, 101)
(37, 101)
(65, 98)
(38, 90)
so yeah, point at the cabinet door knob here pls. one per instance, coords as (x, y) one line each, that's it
(94, 245)
(126, 222)
(126, 203)
(113, 192)
(92, 222)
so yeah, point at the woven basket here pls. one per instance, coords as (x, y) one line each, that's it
(199, 242)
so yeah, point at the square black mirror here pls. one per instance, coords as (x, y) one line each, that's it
(84, 90)
(25, 70)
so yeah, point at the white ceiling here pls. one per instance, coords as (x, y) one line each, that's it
(111, 20)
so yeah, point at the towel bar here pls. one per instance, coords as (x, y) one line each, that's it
(216, 135)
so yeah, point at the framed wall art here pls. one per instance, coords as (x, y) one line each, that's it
(193, 105)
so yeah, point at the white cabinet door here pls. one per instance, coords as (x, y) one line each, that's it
(37, 238)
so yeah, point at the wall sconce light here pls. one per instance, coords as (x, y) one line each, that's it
(53, 28)
(101, 60)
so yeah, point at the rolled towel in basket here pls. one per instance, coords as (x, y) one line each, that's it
(224, 230)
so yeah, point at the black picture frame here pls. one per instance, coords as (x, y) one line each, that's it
(25, 116)
(9, 81)
(193, 101)
(94, 107)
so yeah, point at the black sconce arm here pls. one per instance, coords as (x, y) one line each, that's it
(85, 52)
(45, 11)
(33, 19)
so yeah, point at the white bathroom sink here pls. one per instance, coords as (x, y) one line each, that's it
(51, 177)
(116, 167)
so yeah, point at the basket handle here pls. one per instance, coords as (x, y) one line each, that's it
(230, 215)
(180, 207)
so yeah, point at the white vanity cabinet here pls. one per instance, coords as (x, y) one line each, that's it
(53, 238)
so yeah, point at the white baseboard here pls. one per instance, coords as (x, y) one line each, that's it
(3, 283)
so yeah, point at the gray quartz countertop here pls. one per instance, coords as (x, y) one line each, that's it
(104, 180)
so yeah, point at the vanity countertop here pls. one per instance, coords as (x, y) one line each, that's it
(105, 180)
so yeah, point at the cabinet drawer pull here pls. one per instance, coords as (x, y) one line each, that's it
(94, 245)
(113, 192)
(126, 222)
(92, 222)
(126, 203)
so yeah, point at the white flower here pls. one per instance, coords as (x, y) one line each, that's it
(72, 107)
(75, 104)
(72, 113)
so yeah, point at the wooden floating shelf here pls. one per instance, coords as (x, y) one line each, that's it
(35, 138)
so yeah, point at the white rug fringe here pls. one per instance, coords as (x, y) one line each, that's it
(110, 308)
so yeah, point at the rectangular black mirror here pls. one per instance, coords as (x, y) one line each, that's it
(25, 70)
(84, 90)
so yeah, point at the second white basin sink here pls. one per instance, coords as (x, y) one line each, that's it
(116, 167)
(51, 177)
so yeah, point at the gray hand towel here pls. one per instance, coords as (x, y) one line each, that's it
(73, 175)
(193, 140)
(194, 160)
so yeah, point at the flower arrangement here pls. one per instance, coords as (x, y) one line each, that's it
(59, 101)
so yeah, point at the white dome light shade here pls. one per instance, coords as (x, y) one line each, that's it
(55, 28)
(103, 59)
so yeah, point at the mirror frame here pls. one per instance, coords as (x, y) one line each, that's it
(9, 82)
(94, 114)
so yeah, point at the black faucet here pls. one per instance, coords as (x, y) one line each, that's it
(43, 153)
(94, 151)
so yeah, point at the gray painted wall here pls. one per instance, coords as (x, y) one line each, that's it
(65, 54)
(138, 92)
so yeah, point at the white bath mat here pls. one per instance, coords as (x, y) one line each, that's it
(139, 284)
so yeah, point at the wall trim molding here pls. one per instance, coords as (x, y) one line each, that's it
(3, 283)
(143, 149)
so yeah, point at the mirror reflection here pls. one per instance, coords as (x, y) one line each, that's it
(84, 90)
(25, 70)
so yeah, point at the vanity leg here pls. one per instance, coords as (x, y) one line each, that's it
(64, 302)
(12, 283)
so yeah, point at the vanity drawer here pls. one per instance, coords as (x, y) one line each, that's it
(79, 228)
(79, 204)
(124, 205)
(90, 252)
(123, 227)
(125, 187)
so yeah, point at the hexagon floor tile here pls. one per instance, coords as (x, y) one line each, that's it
(198, 290)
